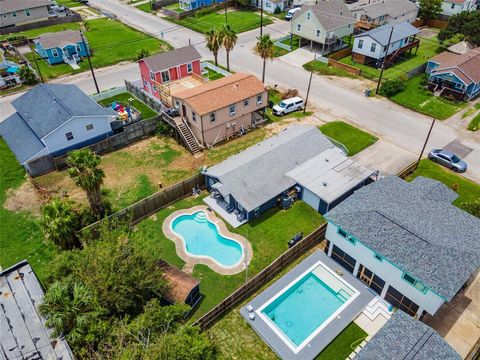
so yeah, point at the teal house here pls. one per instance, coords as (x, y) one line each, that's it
(62, 47)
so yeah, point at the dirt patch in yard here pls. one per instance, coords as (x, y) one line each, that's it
(23, 198)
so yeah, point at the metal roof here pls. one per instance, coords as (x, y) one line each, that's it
(415, 226)
(23, 333)
(258, 174)
(392, 8)
(332, 14)
(330, 174)
(381, 34)
(403, 337)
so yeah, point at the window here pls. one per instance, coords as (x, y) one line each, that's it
(360, 44)
(189, 68)
(155, 88)
(309, 15)
(299, 27)
(79, 49)
(453, 6)
(232, 110)
(89, 127)
(318, 33)
(212, 117)
(355, 15)
(373, 47)
(14, 14)
(416, 284)
(349, 26)
(259, 99)
(342, 233)
(69, 136)
(378, 257)
(245, 102)
(152, 76)
(27, 12)
(145, 83)
(343, 259)
(268, 5)
(409, 279)
(194, 116)
(165, 76)
(54, 52)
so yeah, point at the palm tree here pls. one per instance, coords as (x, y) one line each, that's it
(85, 173)
(266, 49)
(214, 42)
(60, 223)
(229, 39)
(68, 309)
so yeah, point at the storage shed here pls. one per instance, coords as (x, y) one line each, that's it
(183, 287)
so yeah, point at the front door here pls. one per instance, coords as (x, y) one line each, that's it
(184, 110)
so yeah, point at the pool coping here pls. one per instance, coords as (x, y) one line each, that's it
(206, 260)
(324, 336)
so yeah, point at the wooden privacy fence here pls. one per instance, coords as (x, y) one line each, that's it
(71, 18)
(150, 205)
(348, 68)
(340, 54)
(262, 278)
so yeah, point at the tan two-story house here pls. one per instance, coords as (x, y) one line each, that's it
(222, 108)
(19, 12)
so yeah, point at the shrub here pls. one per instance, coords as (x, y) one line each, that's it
(290, 93)
(142, 53)
(164, 129)
(392, 87)
(27, 75)
(424, 80)
(277, 10)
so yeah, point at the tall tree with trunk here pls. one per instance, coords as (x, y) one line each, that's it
(86, 174)
(213, 38)
(229, 39)
(429, 9)
(266, 49)
(60, 224)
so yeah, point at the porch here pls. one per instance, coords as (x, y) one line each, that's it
(442, 87)
(220, 207)
(170, 89)
(331, 45)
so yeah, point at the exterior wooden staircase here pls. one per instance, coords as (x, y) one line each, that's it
(187, 136)
(390, 59)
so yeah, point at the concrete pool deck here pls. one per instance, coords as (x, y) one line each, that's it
(190, 259)
(331, 330)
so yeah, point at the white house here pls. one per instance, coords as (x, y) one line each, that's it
(371, 47)
(52, 119)
(271, 5)
(453, 7)
(325, 23)
(406, 241)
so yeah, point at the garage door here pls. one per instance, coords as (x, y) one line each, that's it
(311, 199)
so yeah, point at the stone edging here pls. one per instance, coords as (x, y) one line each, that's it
(205, 260)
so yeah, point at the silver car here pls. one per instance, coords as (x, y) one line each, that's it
(448, 159)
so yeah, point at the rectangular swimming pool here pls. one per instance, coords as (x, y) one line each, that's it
(308, 304)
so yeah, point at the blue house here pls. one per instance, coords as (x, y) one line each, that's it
(457, 75)
(62, 47)
(196, 4)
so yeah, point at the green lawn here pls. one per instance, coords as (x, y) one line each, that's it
(342, 345)
(355, 140)
(21, 236)
(417, 98)
(321, 68)
(145, 7)
(213, 75)
(68, 3)
(428, 48)
(103, 36)
(174, 7)
(146, 111)
(240, 21)
(269, 235)
(475, 123)
(466, 189)
(295, 43)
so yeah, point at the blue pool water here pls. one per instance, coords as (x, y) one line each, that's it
(202, 238)
(300, 310)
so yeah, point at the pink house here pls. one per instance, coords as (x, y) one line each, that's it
(169, 66)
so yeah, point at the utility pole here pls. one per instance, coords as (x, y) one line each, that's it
(308, 91)
(261, 17)
(89, 61)
(425, 144)
(35, 60)
(384, 60)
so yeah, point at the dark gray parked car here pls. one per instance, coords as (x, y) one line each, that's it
(448, 159)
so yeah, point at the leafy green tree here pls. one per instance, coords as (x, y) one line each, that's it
(187, 344)
(472, 207)
(465, 24)
(214, 42)
(60, 224)
(142, 53)
(27, 74)
(266, 49)
(229, 39)
(86, 173)
(429, 9)
(392, 87)
(70, 310)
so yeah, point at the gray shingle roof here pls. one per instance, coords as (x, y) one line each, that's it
(23, 333)
(332, 14)
(258, 174)
(20, 138)
(47, 106)
(60, 39)
(392, 8)
(7, 6)
(415, 226)
(172, 58)
(381, 34)
(403, 337)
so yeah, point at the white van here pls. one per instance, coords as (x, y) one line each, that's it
(288, 105)
(290, 13)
